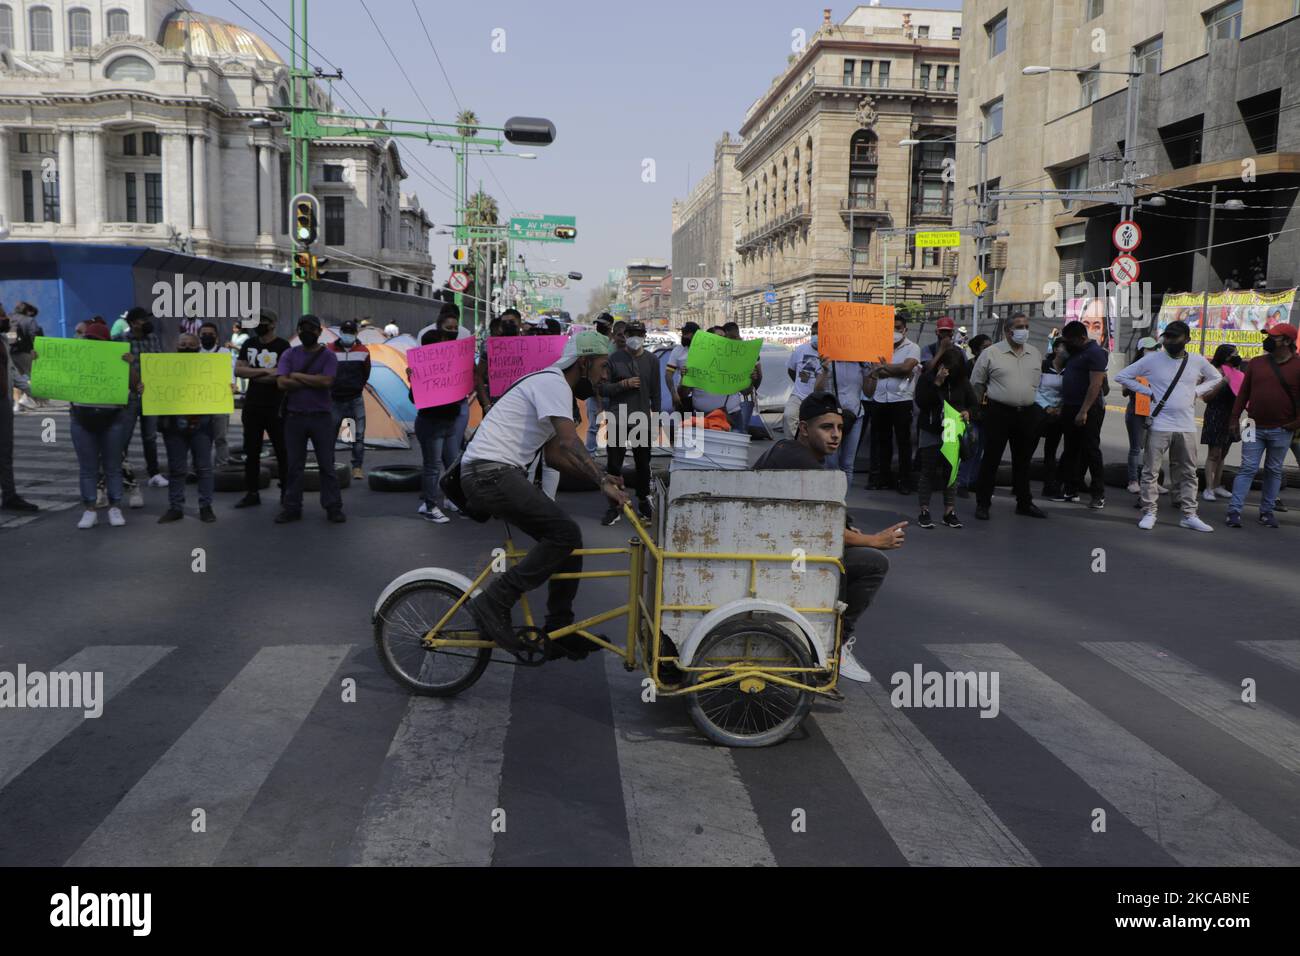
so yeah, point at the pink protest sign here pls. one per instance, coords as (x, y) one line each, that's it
(441, 373)
(1233, 377)
(512, 357)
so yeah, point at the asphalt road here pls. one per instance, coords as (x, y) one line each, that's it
(1120, 704)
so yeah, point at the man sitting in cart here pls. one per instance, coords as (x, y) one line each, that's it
(821, 427)
(536, 415)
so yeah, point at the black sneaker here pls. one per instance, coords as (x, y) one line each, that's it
(1029, 511)
(1063, 496)
(924, 520)
(574, 647)
(643, 508)
(337, 516)
(612, 514)
(1278, 505)
(170, 515)
(284, 517)
(18, 505)
(206, 515)
(950, 519)
(251, 500)
(982, 512)
(494, 621)
(1097, 503)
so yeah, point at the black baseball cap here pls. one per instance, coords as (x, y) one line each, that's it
(350, 326)
(1176, 327)
(691, 327)
(818, 404)
(310, 319)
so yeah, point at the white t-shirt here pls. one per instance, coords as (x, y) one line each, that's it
(806, 365)
(519, 424)
(900, 389)
(1159, 368)
(677, 361)
(705, 402)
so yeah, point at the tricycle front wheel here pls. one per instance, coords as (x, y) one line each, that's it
(751, 712)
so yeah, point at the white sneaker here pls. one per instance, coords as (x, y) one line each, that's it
(1222, 493)
(88, 520)
(436, 516)
(1134, 488)
(1194, 523)
(115, 517)
(1208, 495)
(101, 499)
(449, 507)
(423, 509)
(850, 669)
(1148, 521)
(25, 401)
(135, 499)
(1161, 490)
(158, 481)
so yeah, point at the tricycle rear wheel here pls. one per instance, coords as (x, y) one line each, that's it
(751, 713)
(403, 620)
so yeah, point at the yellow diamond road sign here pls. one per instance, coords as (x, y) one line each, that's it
(931, 240)
(978, 285)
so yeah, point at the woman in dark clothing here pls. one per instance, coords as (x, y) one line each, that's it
(433, 429)
(945, 382)
(1215, 432)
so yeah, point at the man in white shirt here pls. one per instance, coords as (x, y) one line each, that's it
(537, 414)
(1172, 422)
(803, 366)
(676, 368)
(891, 414)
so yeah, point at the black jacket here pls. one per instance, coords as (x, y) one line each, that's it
(930, 397)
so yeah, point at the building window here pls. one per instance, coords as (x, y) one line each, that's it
(335, 231)
(1089, 83)
(941, 77)
(333, 173)
(79, 28)
(153, 203)
(884, 73)
(129, 68)
(119, 23)
(864, 71)
(956, 33)
(1072, 177)
(1182, 141)
(930, 257)
(922, 33)
(383, 228)
(956, 77)
(41, 31)
(6, 25)
(131, 199)
(997, 31)
(923, 76)
(848, 72)
(128, 144)
(150, 144)
(50, 199)
(1224, 22)
(1146, 56)
(1092, 9)
(862, 149)
(29, 197)
(993, 119)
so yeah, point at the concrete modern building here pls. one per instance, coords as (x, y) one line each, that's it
(128, 121)
(823, 174)
(647, 290)
(705, 228)
(1213, 109)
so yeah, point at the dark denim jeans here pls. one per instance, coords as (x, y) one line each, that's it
(434, 435)
(319, 428)
(865, 570)
(148, 435)
(505, 492)
(100, 449)
(181, 443)
(1083, 450)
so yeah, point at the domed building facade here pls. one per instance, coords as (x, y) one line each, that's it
(131, 122)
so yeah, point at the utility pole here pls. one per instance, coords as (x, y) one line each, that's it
(299, 78)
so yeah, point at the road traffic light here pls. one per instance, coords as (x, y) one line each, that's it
(566, 232)
(306, 267)
(306, 215)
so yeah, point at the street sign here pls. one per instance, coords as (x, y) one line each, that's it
(458, 282)
(542, 228)
(457, 255)
(699, 284)
(708, 285)
(543, 282)
(1125, 270)
(978, 285)
(769, 298)
(938, 240)
(1127, 236)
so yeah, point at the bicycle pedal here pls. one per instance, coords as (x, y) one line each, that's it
(536, 646)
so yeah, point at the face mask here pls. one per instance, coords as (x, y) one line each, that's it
(263, 331)
(1175, 348)
(899, 336)
(309, 339)
(348, 340)
(188, 351)
(208, 341)
(146, 328)
(1020, 336)
(813, 341)
(635, 343)
(1270, 345)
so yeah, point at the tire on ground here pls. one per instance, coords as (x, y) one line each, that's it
(407, 478)
(311, 476)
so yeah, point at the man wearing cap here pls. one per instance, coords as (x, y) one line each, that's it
(9, 498)
(604, 322)
(674, 369)
(306, 373)
(1270, 394)
(1174, 378)
(536, 415)
(943, 329)
(632, 396)
(820, 430)
(347, 397)
(258, 363)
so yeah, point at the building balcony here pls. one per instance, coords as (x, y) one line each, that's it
(868, 156)
(864, 206)
(932, 209)
(793, 219)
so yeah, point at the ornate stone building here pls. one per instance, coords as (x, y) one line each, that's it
(823, 172)
(128, 121)
(704, 239)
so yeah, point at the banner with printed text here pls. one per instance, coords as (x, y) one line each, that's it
(1238, 318)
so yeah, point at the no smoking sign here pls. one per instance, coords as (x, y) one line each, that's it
(1125, 270)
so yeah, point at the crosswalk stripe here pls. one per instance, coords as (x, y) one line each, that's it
(929, 810)
(1191, 822)
(686, 804)
(1286, 653)
(1259, 726)
(26, 735)
(441, 780)
(217, 765)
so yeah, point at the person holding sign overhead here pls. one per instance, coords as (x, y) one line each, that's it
(185, 436)
(433, 430)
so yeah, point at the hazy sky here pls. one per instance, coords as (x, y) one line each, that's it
(622, 81)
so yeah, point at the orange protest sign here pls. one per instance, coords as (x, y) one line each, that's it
(855, 331)
(1142, 403)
